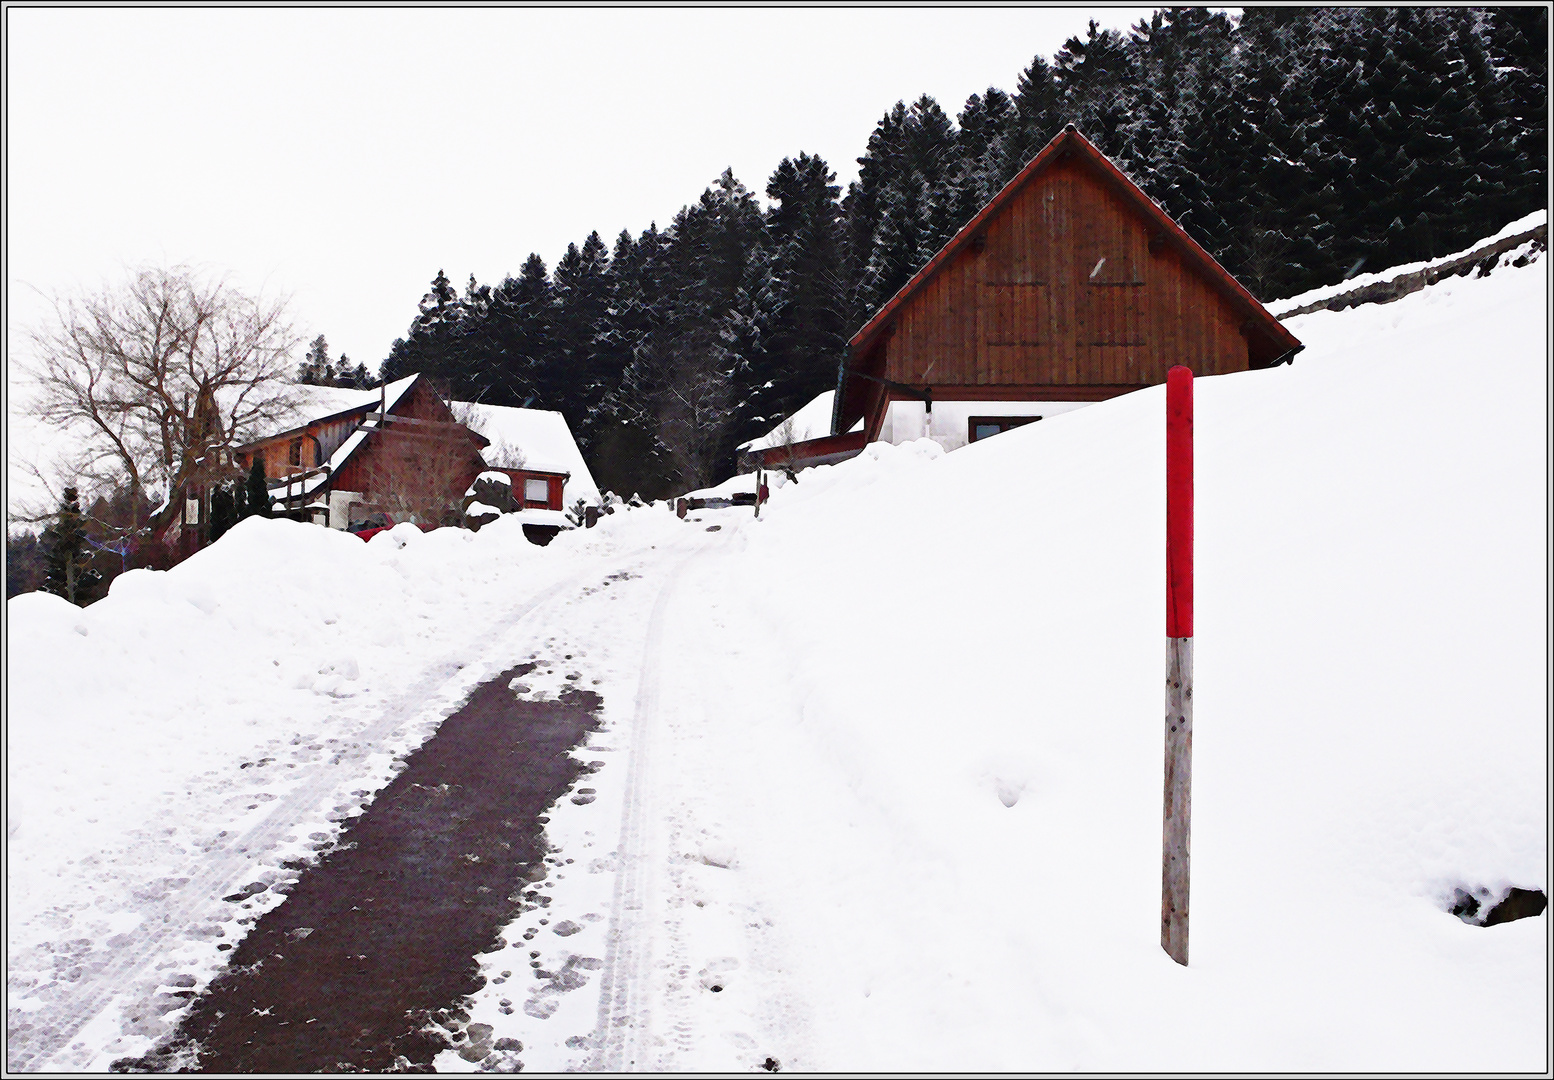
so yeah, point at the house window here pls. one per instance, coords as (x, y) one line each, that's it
(536, 491)
(295, 451)
(981, 427)
(191, 508)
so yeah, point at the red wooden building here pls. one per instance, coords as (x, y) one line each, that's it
(404, 454)
(1071, 286)
(398, 450)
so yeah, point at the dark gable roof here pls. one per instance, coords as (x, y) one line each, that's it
(1069, 142)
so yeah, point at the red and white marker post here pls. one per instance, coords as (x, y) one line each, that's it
(1175, 861)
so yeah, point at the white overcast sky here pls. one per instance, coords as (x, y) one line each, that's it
(342, 156)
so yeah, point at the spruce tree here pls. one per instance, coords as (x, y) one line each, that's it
(257, 494)
(316, 369)
(223, 512)
(70, 572)
(807, 305)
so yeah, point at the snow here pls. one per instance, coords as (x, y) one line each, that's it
(534, 515)
(317, 402)
(739, 484)
(542, 437)
(810, 422)
(883, 765)
(494, 477)
(478, 509)
(1324, 292)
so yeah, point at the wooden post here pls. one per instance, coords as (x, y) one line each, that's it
(1176, 846)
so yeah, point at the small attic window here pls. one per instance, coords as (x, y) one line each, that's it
(295, 452)
(983, 427)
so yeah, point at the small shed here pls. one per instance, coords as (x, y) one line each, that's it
(1069, 287)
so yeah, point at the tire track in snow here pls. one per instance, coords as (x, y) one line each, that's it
(50, 1047)
(620, 1036)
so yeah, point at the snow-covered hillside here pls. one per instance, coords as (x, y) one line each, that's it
(884, 765)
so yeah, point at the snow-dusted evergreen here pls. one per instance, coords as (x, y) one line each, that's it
(1297, 145)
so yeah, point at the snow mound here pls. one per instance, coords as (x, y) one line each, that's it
(976, 641)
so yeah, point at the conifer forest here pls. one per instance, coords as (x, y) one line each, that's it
(1297, 145)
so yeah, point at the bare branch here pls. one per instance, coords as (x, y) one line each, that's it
(127, 368)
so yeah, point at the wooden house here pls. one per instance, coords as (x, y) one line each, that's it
(398, 450)
(404, 454)
(1071, 286)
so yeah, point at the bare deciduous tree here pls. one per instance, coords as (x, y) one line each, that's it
(500, 454)
(681, 385)
(146, 374)
(785, 442)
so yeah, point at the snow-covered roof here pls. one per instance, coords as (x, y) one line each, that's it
(325, 401)
(810, 422)
(541, 436)
(314, 403)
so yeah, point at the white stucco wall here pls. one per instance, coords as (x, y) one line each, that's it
(904, 419)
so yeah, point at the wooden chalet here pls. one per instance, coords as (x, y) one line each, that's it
(1071, 286)
(404, 454)
(399, 451)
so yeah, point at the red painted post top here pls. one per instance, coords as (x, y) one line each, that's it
(1179, 502)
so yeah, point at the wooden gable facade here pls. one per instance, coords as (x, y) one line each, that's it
(1070, 286)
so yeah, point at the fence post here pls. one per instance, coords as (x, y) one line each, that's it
(1176, 845)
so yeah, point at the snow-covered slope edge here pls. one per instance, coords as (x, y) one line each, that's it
(1384, 285)
(985, 628)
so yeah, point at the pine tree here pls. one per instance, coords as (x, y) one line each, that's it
(316, 369)
(1094, 79)
(519, 334)
(1038, 109)
(70, 572)
(432, 345)
(257, 494)
(576, 380)
(807, 304)
(223, 512)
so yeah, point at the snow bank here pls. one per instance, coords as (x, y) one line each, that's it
(156, 733)
(976, 660)
(1359, 281)
(906, 777)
